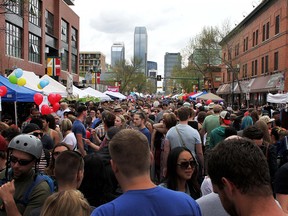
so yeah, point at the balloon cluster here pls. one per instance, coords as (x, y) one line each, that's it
(53, 100)
(3, 91)
(16, 77)
(43, 83)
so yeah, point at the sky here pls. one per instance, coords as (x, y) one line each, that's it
(170, 24)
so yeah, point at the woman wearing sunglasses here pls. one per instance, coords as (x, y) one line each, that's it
(182, 171)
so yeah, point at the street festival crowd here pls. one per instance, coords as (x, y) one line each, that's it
(145, 156)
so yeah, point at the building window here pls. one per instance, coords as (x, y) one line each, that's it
(254, 67)
(34, 12)
(245, 44)
(266, 64)
(64, 60)
(74, 63)
(64, 31)
(74, 37)
(277, 24)
(267, 30)
(262, 65)
(34, 48)
(15, 6)
(49, 22)
(244, 71)
(263, 32)
(229, 55)
(276, 61)
(237, 49)
(13, 40)
(255, 38)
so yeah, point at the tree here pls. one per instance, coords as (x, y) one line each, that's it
(130, 77)
(204, 52)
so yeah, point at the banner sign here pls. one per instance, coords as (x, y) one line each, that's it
(53, 66)
(113, 88)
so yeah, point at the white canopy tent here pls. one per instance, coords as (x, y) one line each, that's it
(54, 87)
(79, 92)
(32, 80)
(277, 98)
(95, 93)
(115, 94)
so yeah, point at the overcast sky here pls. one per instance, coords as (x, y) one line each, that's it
(170, 24)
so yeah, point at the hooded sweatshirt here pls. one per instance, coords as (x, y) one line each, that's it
(216, 136)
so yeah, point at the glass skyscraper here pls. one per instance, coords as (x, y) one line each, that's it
(140, 47)
(117, 53)
(171, 60)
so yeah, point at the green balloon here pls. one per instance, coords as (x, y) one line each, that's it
(13, 79)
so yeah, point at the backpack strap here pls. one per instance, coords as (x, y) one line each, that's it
(182, 141)
(38, 179)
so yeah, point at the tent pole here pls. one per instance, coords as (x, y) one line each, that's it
(15, 110)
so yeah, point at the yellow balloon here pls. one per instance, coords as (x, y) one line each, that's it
(21, 81)
(39, 86)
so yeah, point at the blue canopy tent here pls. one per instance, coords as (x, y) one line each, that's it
(16, 93)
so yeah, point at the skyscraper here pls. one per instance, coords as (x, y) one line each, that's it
(171, 60)
(117, 53)
(140, 48)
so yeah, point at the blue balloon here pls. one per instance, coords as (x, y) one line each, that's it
(43, 83)
(18, 72)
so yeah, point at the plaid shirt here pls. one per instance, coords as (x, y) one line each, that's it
(100, 131)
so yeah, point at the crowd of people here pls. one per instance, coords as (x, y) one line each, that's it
(146, 156)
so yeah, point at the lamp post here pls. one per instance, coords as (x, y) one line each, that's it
(233, 70)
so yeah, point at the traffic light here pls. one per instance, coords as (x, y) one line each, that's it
(159, 78)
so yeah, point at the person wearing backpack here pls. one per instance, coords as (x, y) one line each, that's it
(22, 188)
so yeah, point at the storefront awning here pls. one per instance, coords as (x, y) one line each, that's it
(245, 86)
(270, 83)
(224, 89)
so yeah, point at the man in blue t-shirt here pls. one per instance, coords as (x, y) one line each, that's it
(139, 120)
(131, 160)
(79, 130)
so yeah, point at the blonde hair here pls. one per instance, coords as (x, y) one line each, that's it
(66, 125)
(69, 202)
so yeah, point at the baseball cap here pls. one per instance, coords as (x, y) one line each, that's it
(198, 105)
(266, 119)
(186, 104)
(3, 144)
(211, 105)
(30, 128)
(225, 115)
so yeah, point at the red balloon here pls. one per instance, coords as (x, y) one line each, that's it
(45, 110)
(3, 91)
(38, 98)
(56, 107)
(208, 102)
(52, 98)
(58, 98)
(88, 134)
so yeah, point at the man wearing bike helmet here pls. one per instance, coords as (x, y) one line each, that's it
(19, 177)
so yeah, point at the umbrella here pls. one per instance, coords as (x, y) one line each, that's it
(210, 96)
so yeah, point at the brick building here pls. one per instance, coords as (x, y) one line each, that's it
(34, 30)
(255, 52)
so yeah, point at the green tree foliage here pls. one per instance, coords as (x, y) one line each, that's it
(130, 77)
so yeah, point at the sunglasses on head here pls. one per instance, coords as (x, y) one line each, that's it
(185, 164)
(21, 162)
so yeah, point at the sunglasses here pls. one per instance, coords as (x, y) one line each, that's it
(21, 162)
(186, 164)
(37, 134)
